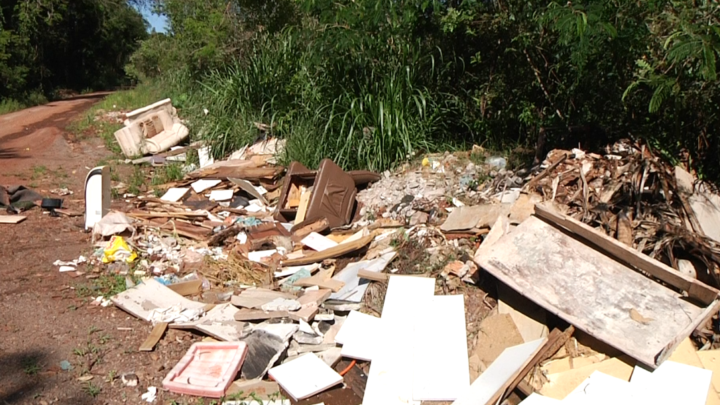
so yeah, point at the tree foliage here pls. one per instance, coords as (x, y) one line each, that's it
(72, 44)
(496, 72)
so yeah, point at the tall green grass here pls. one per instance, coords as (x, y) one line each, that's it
(9, 105)
(330, 95)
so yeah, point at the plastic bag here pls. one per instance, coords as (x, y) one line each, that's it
(118, 250)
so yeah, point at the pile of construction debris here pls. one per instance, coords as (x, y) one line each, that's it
(599, 273)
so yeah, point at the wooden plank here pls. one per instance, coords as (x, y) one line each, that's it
(218, 322)
(149, 294)
(149, 344)
(493, 382)
(301, 230)
(322, 279)
(695, 289)
(185, 288)
(556, 340)
(443, 373)
(337, 251)
(390, 375)
(373, 276)
(11, 219)
(257, 297)
(303, 206)
(592, 291)
(246, 314)
(562, 384)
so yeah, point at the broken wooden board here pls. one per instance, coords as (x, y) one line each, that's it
(303, 206)
(354, 288)
(390, 375)
(625, 254)
(11, 219)
(443, 373)
(529, 318)
(246, 314)
(257, 297)
(310, 304)
(337, 251)
(477, 216)
(149, 344)
(593, 292)
(710, 360)
(562, 384)
(184, 288)
(148, 295)
(497, 333)
(322, 279)
(493, 382)
(219, 323)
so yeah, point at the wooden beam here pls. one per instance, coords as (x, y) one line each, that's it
(149, 344)
(336, 251)
(373, 275)
(555, 341)
(624, 254)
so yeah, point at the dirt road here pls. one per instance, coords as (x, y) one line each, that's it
(34, 135)
(45, 316)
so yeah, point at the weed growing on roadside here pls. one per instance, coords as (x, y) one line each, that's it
(31, 366)
(92, 389)
(136, 181)
(38, 171)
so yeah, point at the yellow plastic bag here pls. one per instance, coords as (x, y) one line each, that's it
(118, 250)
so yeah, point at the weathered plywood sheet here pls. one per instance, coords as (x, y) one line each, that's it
(219, 323)
(590, 290)
(148, 295)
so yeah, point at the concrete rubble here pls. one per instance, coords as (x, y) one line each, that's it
(448, 279)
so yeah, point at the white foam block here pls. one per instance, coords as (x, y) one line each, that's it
(441, 371)
(390, 376)
(537, 399)
(602, 389)
(354, 288)
(358, 336)
(221, 195)
(305, 376)
(318, 242)
(674, 383)
(499, 374)
(174, 194)
(204, 184)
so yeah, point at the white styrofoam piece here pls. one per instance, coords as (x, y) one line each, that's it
(358, 335)
(537, 399)
(390, 376)
(204, 184)
(674, 383)
(305, 376)
(510, 361)
(174, 194)
(318, 242)
(258, 255)
(354, 288)
(221, 195)
(205, 157)
(602, 389)
(640, 376)
(442, 372)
